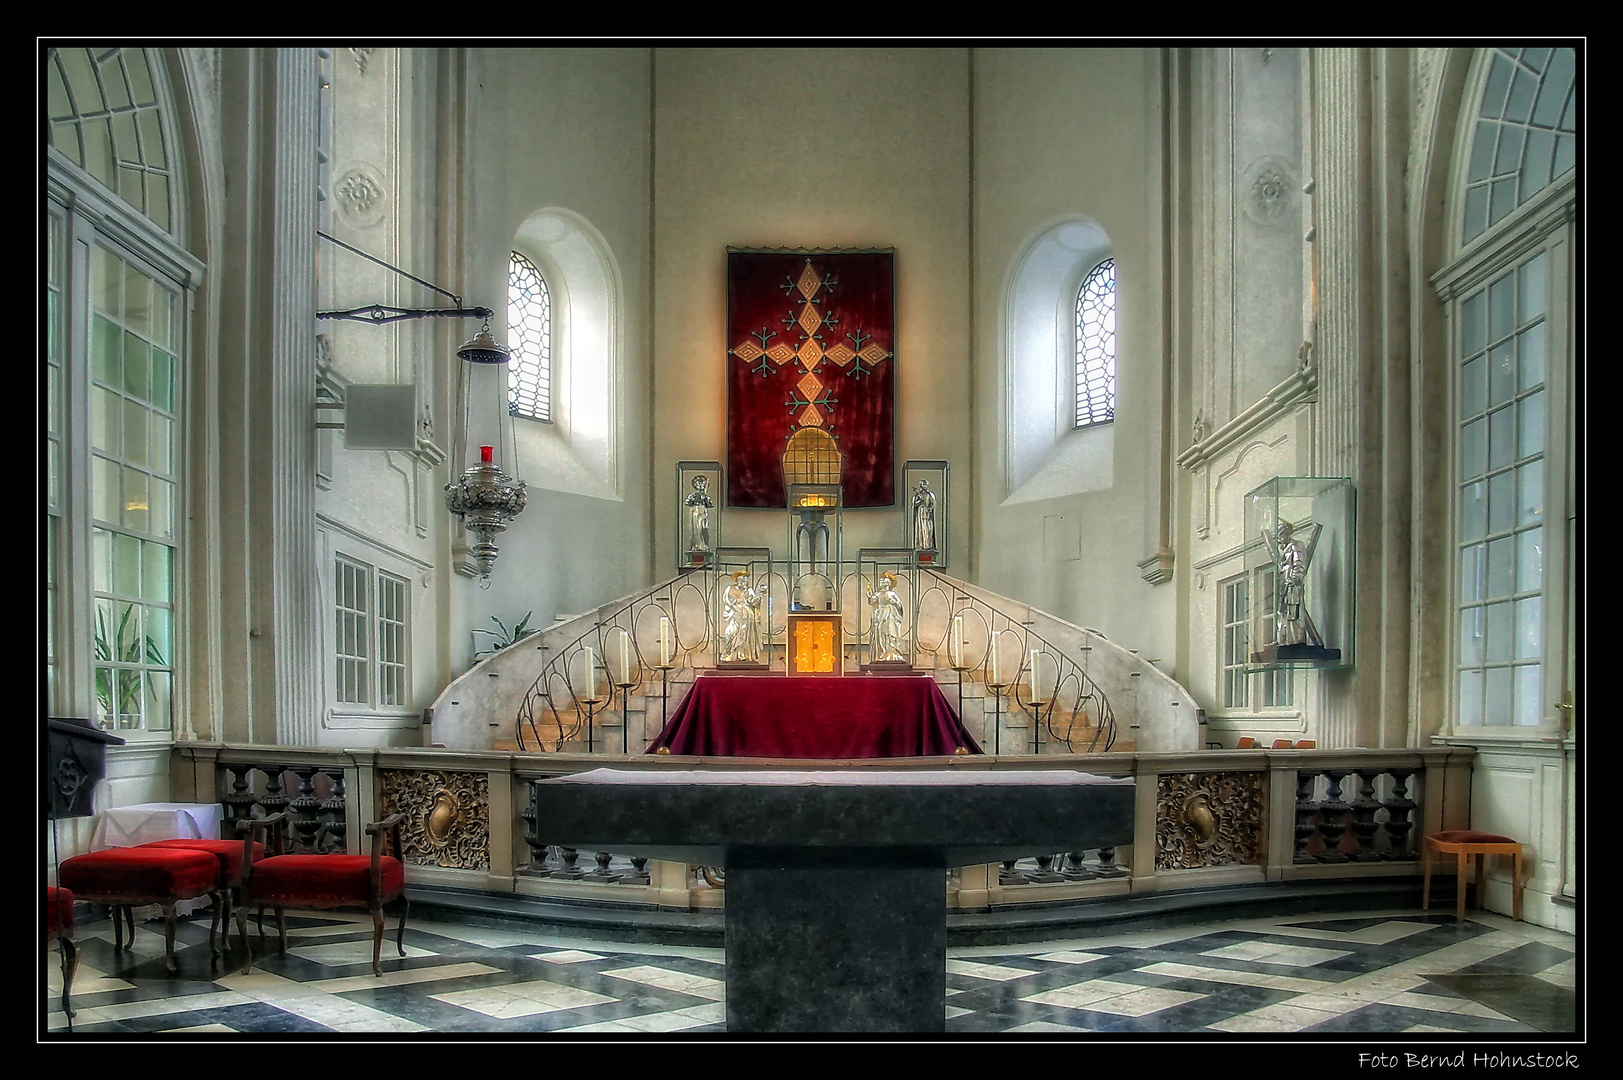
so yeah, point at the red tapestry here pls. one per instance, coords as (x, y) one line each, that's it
(811, 340)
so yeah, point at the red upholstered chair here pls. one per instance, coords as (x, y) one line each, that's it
(230, 854)
(1246, 743)
(59, 928)
(1282, 744)
(136, 876)
(284, 881)
(1464, 843)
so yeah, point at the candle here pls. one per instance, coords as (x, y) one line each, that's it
(997, 676)
(664, 642)
(591, 674)
(957, 651)
(625, 660)
(487, 454)
(1033, 675)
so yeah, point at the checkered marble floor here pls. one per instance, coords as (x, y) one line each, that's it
(1392, 973)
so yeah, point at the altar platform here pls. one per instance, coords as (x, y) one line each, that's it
(779, 716)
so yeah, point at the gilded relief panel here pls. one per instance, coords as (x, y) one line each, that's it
(447, 819)
(1208, 819)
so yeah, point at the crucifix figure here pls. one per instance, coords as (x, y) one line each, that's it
(1292, 623)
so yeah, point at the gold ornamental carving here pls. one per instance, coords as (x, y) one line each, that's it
(1208, 819)
(447, 816)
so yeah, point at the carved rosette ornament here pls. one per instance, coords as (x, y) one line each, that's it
(1208, 819)
(447, 816)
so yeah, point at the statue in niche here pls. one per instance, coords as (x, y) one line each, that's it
(923, 518)
(885, 622)
(741, 620)
(699, 505)
(1292, 623)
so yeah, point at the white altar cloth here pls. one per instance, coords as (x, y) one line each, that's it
(131, 826)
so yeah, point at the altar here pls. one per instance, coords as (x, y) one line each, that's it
(780, 716)
(836, 878)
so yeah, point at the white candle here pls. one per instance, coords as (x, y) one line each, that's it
(591, 674)
(997, 677)
(664, 642)
(957, 651)
(1033, 675)
(625, 660)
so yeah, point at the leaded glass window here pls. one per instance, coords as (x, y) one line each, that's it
(1501, 418)
(1096, 346)
(529, 330)
(103, 113)
(1525, 133)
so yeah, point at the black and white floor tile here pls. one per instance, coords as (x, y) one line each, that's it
(1393, 974)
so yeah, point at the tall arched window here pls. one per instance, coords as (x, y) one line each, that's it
(1509, 294)
(529, 329)
(1096, 346)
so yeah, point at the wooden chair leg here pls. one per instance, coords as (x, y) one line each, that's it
(169, 936)
(1516, 903)
(215, 909)
(129, 920)
(70, 965)
(118, 929)
(1480, 860)
(377, 940)
(1462, 877)
(281, 928)
(1425, 876)
(400, 932)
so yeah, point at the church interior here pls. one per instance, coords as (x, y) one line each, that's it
(583, 541)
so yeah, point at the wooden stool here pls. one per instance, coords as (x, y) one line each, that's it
(1463, 843)
(131, 877)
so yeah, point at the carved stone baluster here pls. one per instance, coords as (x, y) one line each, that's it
(639, 872)
(1306, 808)
(1008, 875)
(275, 799)
(538, 850)
(1398, 808)
(1107, 863)
(569, 870)
(1045, 871)
(1333, 818)
(1364, 824)
(335, 811)
(603, 873)
(306, 808)
(239, 801)
(1074, 870)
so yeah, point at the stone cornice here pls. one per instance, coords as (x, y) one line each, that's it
(1300, 386)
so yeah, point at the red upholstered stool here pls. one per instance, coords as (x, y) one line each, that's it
(59, 927)
(144, 875)
(327, 881)
(230, 854)
(1464, 843)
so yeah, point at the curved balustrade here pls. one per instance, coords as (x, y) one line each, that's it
(604, 682)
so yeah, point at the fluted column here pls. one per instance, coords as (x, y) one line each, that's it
(296, 613)
(1340, 251)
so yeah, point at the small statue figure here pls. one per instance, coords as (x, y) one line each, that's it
(923, 518)
(1292, 623)
(699, 506)
(885, 624)
(741, 620)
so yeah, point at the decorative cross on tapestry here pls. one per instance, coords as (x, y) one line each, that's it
(811, 343)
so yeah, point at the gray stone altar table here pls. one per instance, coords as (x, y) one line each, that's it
(836, 885)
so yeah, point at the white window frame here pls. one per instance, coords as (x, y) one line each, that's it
(1261, 689)
(1543, 223)
(376, 565)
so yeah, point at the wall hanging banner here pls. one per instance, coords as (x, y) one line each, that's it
(811, 339)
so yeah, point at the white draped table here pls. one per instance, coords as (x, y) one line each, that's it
(132, 826)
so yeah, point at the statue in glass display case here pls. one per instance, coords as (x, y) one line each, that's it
(1292, 623)
(741, 620)
(885, 626)
(923, 518)
(699, 506)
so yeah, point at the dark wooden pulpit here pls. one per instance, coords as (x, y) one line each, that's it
(75, 759)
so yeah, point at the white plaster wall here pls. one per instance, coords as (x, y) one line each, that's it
(814, 148)
(1059, 134)
(567, 129)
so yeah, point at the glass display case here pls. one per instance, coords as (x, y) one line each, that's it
(887, 603)
(924, 511)
(816, 528)
(1299, 562)
(698, 513)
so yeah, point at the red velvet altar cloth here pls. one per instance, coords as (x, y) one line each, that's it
(854, 716)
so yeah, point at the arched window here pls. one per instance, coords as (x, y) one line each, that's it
(1096, 346)
(1509, 295)
(529, 329)
(103, 114)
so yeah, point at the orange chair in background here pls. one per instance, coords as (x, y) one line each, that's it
(1246, 743)
(1463, 844)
